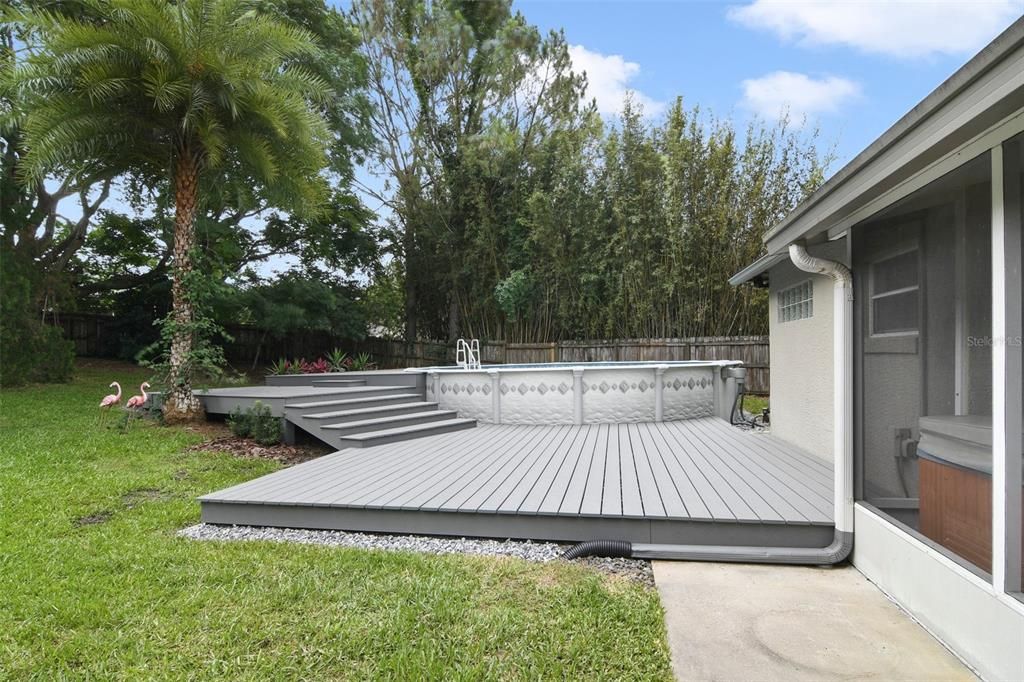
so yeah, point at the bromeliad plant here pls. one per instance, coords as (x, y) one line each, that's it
(318, 366)
(300, 366)
(336, 361)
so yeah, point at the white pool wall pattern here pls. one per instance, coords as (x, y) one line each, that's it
(586, 392)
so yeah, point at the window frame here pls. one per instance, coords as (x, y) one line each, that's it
(873, 296)
(795, 306)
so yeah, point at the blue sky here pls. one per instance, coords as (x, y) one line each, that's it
(853, 68)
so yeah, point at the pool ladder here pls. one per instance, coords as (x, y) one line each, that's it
(467, 354)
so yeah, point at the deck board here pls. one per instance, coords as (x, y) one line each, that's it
(541, 487)
(652, 496)
(686, 486)
(632, 499)
(460, 460)
(572, 496)
(723, 485)
(496, 500)
(800, 492)
(590, 505)
(387, 485)
(440, 489)
(683, 479)
(395, 487)
(477, 478)
(768, 502)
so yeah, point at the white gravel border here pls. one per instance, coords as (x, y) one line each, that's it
(543, 552)
(531, 551)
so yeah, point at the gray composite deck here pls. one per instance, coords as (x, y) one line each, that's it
(697, 481)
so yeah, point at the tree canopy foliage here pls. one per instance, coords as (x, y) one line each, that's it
(231, 110)
(253, 131)
(520, 214)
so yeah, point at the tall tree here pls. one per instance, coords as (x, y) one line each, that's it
(235, 219)
(160, 89)
(463, 91)
(36, 242)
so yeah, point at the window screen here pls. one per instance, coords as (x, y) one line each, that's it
(894, 294)
(924, 362)
(796, 302)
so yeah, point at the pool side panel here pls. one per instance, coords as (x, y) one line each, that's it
(567, 394)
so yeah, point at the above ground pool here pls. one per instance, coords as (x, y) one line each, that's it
(586, 392)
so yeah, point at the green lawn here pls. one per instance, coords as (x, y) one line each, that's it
(754, 404)
(123, 597)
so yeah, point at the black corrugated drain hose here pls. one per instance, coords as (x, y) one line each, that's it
(605, 548)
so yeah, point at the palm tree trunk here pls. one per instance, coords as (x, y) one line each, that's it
(183, 405)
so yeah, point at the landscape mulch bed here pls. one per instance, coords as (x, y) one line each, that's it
(250, 449)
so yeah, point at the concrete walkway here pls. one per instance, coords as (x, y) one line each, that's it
(751, 622)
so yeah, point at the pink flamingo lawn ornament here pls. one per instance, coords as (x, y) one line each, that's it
(136, 402)
(111, 400)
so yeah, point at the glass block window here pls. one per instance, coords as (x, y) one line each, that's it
(796, 302)
(894, 294)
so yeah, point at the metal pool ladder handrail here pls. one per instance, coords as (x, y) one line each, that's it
(467, 354)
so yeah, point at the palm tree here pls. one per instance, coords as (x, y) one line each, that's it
(185, 90)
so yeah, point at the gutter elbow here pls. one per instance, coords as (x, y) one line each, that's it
(839, 273)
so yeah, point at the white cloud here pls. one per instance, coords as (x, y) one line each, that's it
(799, 94)
(901, 28)
(608, 78)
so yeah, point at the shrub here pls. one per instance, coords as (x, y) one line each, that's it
(266, 428)
(240, 422)
(30, 351)
(337, 359)
(363, 362)
(278, 367)
(257, 423)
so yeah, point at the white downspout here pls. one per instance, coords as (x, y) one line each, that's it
(842, 541)
(842, 386)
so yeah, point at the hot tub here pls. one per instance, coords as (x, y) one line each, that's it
(586, 392)
(955, 490)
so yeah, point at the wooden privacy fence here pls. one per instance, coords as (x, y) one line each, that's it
(103, 336)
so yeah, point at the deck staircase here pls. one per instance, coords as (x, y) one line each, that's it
(373, 415)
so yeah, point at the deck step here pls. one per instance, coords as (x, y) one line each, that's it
(344, 403)
(339, 383)
(371, 438)
(371, 412)
(394, 421)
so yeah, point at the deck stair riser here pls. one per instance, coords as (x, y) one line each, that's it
(339, 383)
(353, 393)
(354, 415)
(413, 382)
(350, 403)
(383, 437)
(388, 407)
(382, 423)
(328, 426)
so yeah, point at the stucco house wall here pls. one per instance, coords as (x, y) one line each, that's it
(801, 358)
